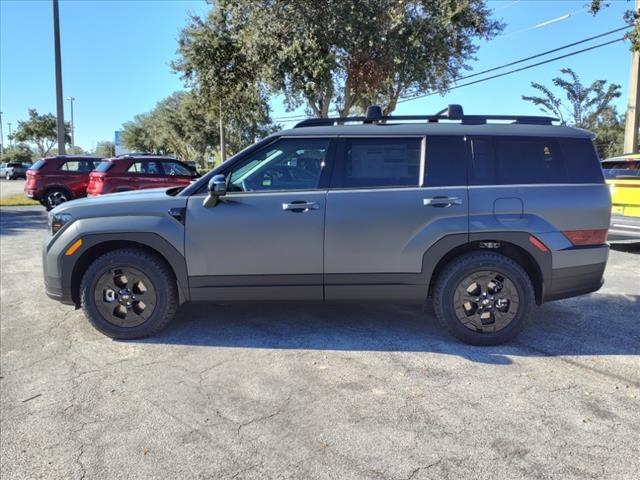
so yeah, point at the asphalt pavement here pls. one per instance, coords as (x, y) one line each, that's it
(311, 391)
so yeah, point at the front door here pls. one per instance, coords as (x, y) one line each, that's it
(264, 239)
(390, 200)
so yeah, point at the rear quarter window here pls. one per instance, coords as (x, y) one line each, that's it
(38, 165)
(103, 166)
(533, 160)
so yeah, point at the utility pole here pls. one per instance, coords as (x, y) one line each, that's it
(10, 139)
(73, 125)
(59, 97)
(633, 105)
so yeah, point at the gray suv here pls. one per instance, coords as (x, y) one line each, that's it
(485, 215)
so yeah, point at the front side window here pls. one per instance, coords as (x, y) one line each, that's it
(287, 164)
(381, 162)
(145, 168)
(77, 166)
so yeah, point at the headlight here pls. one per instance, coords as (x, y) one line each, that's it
(58, 220)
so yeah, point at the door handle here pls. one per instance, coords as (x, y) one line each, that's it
(441, 201)
(300, 206)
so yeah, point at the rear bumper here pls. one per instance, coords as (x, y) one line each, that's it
(624, 229)
(577, 271)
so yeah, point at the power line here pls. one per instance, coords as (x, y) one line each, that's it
(493, 69)
(516, 70)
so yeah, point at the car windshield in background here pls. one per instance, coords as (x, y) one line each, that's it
(38, 165)
(621, 169)
(103, 166)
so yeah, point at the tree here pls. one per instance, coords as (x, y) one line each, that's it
(41, 131)
(182, 125)
(584, 107)
(344, 54)
(105, 149)
(18, 153)
(224, 81)
(630, 17)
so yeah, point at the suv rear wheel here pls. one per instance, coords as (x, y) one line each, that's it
(128, 293)
(54, 197)
(483, 298)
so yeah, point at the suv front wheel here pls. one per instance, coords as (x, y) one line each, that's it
(483, 298)
(129, 293)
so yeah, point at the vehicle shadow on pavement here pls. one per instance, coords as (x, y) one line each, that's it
(14, 220)
(597, 324)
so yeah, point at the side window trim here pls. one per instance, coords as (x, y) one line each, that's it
(337, 179)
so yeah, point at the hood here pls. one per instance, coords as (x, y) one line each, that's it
(136, 202)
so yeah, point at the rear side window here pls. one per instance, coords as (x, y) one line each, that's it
(446, 162)
(621, 169)
(381, 162)
(38, 165)
(77, 166)
(177, 168)
(146, 168)
(533, 160)
(14, 165)
(104, 166)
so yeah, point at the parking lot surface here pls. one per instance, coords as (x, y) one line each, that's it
(313, 391)
(11, 187)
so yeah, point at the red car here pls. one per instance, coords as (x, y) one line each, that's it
(131, 172)
(54, 180)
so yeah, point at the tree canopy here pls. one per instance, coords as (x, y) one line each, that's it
(17, 153)
(334, 54)
(41, 131)
(105, 149)
(584, 106)
(182, 125)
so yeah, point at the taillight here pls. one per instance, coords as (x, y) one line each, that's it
(587, 237)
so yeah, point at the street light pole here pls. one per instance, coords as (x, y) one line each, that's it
(73, 125)
(10, 139)
(59, 97)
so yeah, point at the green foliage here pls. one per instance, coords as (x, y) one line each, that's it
(182, 125)
(630, 17)
(105, 149)
(586, 107)
(75, 150)
(41, 131)
(344, 54)
(18, 153)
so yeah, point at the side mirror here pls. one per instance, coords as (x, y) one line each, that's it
(217, 187)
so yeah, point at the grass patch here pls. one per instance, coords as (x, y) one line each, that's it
(17, 200)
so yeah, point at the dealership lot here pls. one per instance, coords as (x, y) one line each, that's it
(312, 391)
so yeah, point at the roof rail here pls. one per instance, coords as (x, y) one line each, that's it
(452, 112)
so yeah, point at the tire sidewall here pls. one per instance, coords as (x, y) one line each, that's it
(459, 271)
(150, 269)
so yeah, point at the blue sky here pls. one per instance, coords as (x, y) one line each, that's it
(116, 58)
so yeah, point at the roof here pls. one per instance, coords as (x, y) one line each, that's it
(440, 128)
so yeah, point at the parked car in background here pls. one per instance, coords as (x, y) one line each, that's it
(137, 172)
(13, 170)
(55, 180)
(623, 176)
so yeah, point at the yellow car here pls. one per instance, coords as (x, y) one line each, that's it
(623, 176)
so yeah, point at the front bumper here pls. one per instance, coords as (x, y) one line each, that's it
(624, 229)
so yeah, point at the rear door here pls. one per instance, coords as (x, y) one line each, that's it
(143, 174)
(74, 174)
(391, 199)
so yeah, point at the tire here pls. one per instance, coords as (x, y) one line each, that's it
(96, 299)
(457, 295)
(8, 176)
(54, 197)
